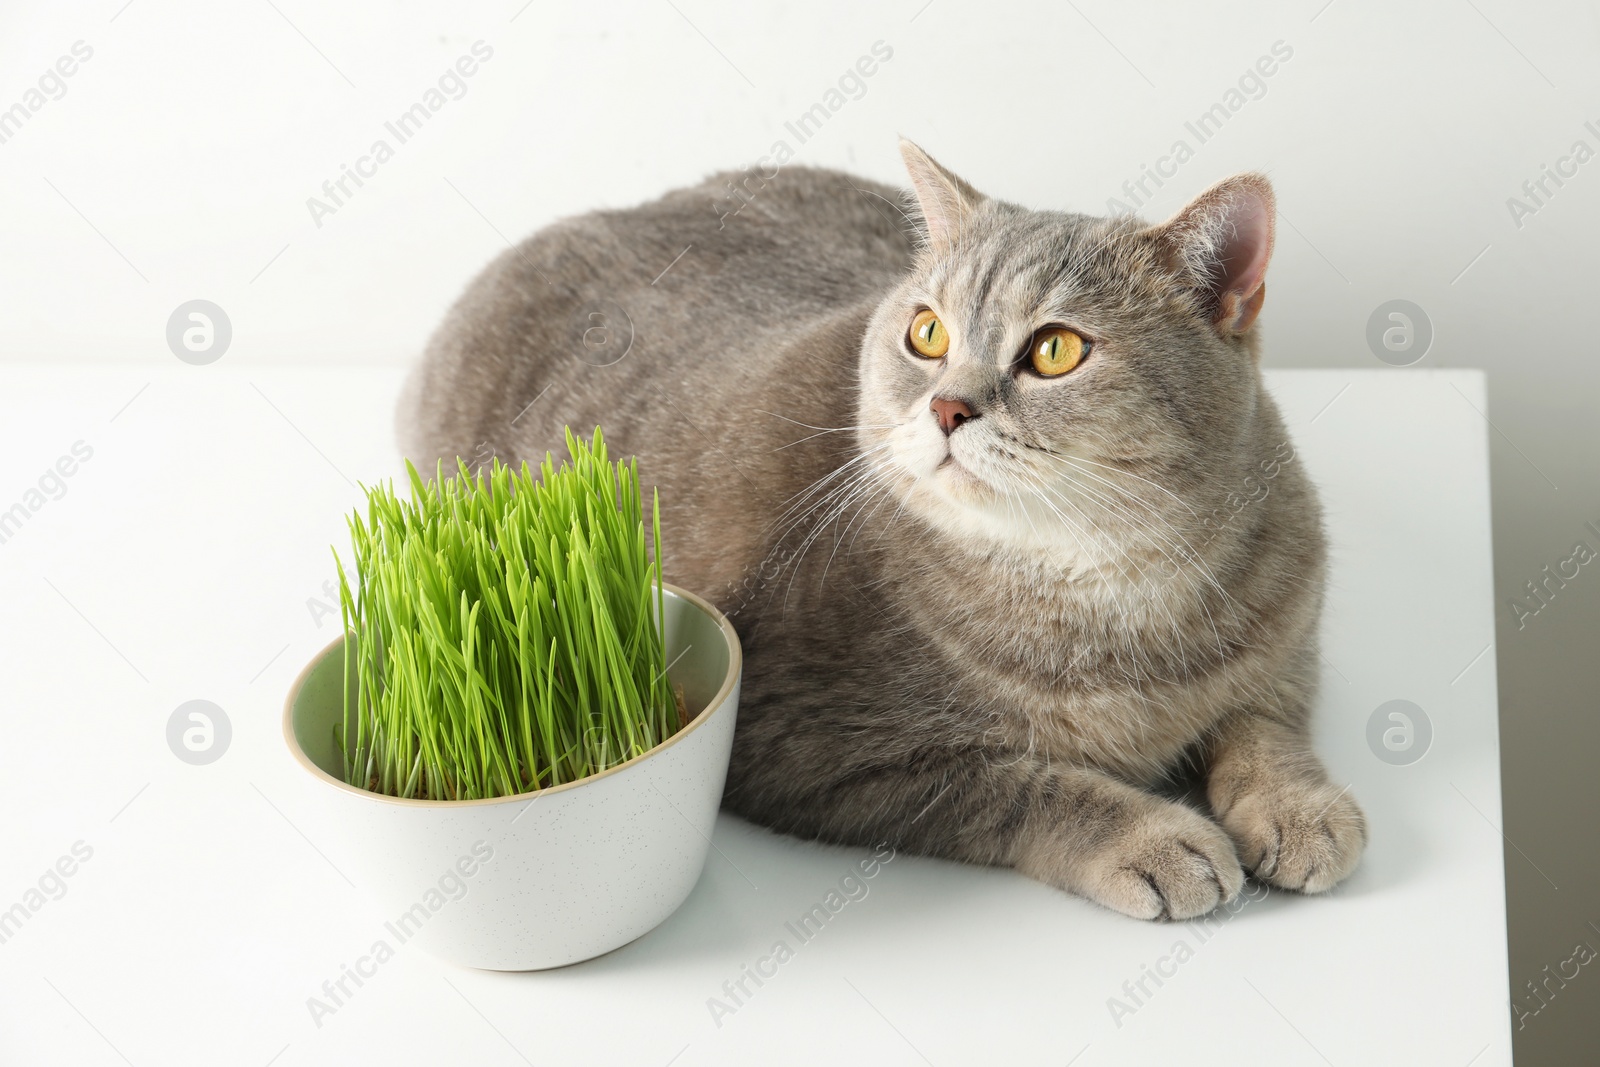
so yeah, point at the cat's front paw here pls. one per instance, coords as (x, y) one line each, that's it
(1170, 862)
(1301, 837)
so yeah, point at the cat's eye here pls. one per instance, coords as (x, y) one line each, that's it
(1056, 350)
(927, 335)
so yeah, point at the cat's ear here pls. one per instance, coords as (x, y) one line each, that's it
(946, 200)
(1223, 240)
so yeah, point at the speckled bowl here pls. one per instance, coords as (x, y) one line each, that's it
(546, 878)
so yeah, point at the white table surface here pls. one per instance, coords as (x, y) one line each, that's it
(179, 563)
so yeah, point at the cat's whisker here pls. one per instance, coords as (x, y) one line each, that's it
(1152, 592)
(1044, 492)
(809, 426)
(797, 422)
(819, 498)
(1042, 488)
(1128, 473)
(865, 483)
(802, 500)
(879, 493)
(1075, 464)
(1177, 540)
(816, 498)
(884, 496)
(1199, 564)
(832, 429)
(1144, 523)
(1139, 675)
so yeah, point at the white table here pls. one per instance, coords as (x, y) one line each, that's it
(179, 564)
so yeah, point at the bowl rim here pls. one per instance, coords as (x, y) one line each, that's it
(735, 668)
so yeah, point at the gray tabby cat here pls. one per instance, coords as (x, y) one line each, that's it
(1004, 516)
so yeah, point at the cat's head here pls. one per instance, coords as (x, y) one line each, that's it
(1065, 382)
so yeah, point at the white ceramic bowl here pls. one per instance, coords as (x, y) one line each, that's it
(545, 878)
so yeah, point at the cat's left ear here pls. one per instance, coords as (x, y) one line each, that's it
(1223, 240)
(946, 200)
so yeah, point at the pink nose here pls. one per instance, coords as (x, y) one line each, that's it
(951, 413)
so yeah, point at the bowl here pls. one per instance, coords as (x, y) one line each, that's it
(546, 878)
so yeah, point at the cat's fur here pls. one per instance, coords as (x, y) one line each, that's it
(990, 645)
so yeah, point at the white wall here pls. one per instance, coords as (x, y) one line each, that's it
(179, 161)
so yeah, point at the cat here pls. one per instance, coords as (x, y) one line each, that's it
(1008, 525)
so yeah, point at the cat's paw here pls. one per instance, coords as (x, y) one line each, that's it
(1301, 837)
(1169, 862)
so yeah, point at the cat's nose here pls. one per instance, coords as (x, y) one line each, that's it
(951, 413)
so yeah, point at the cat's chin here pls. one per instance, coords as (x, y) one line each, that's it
(962, 482)
(996, 525)
(966, 507)
(973, 512)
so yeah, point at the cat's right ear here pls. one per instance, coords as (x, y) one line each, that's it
(946, 200)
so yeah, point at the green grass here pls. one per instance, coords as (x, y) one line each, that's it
(504, 630)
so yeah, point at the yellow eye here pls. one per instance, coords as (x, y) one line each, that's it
(1056, 350)
(927, 335)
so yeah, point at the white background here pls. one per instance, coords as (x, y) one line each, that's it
(179, 161)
